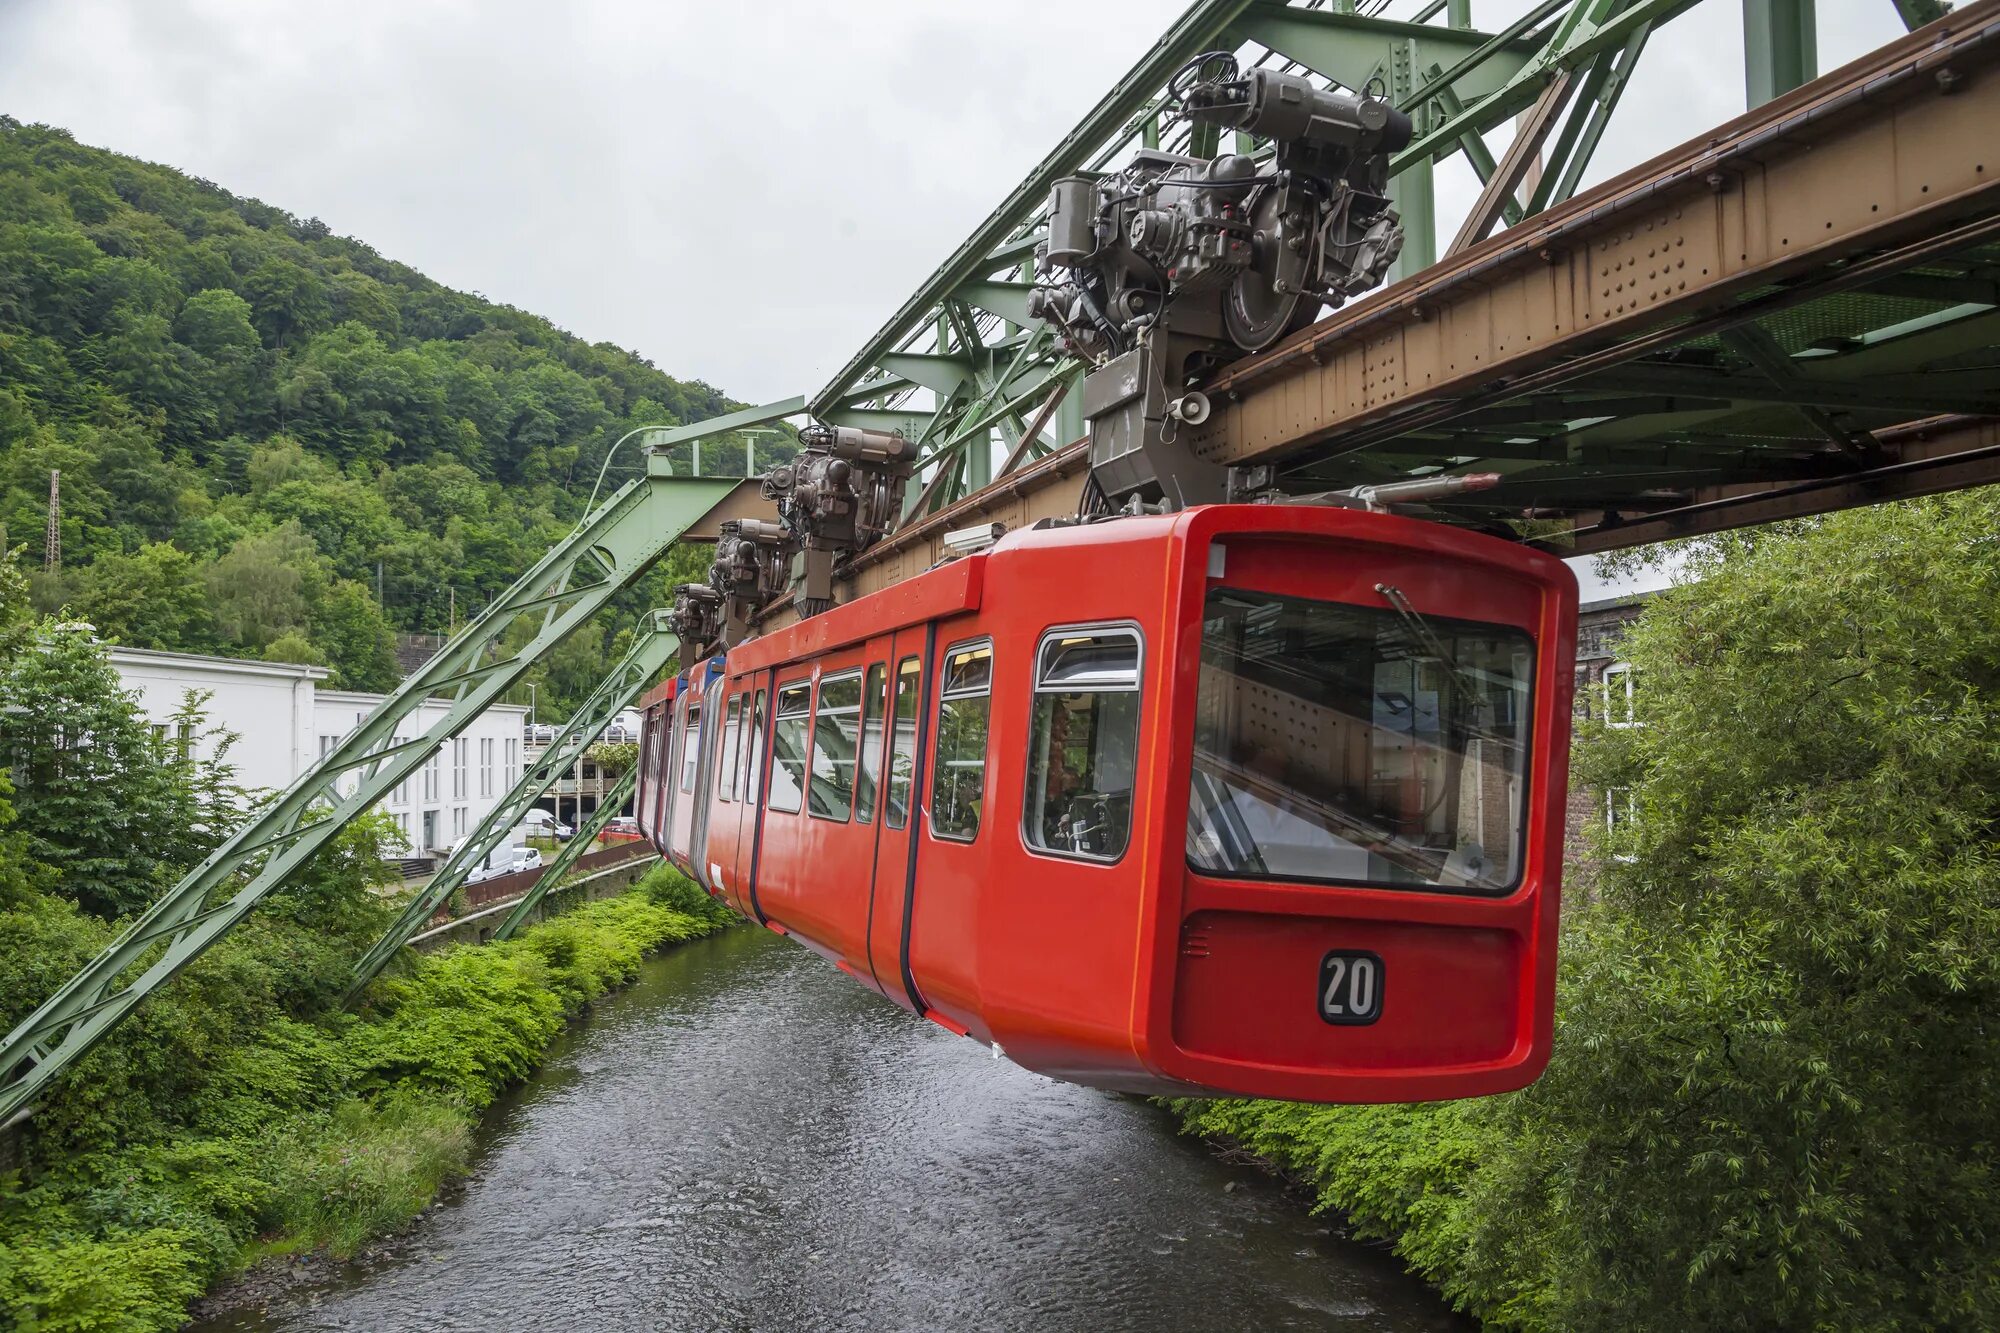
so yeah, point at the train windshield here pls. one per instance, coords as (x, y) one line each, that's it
(1358, 745)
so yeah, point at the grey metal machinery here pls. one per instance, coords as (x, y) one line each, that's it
(842, 493)
(696, 619)
(753, 561)
(1160, 274)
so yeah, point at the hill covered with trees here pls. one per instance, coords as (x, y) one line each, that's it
(259, 424)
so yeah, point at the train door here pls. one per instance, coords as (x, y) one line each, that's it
(906, 666)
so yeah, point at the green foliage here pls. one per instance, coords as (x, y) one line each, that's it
(1771, 1103)
(96, 805)
(206, 370)
(243, 1119)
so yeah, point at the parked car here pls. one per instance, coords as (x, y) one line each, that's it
(622, 829)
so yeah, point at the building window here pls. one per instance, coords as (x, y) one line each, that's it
(1083, 743)
(431, 774)
(788, 747)
(513, 772)
(836, 733)
(458, 821)
(1618, 700)
(958, 787)
(458, 748)
(486, 766)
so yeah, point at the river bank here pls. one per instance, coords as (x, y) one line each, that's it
(318, 1136)
(744, 1138)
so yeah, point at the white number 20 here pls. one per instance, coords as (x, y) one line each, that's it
(1359, 977)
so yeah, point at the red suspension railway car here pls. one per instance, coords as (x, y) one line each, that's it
(1245, 799)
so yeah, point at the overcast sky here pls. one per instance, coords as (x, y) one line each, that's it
(740, 192)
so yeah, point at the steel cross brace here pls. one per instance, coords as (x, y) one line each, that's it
(586, 833)
(604, 554)
(649, 653)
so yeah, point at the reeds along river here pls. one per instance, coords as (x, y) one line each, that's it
(745, 1139)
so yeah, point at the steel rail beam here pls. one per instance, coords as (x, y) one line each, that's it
(651, 647)
(1788, 200)
(605, 553)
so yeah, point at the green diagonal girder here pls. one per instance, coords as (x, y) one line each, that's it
(586, 833)
(604, 554)
(643, 663)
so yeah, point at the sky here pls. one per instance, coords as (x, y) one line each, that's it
(740, 193)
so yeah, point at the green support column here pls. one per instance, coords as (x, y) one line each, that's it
(1412, 190)
(1780, 47)
(651, 648)
(575, 847)
(603, 555)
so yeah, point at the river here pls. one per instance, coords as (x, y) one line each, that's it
(745, 1139)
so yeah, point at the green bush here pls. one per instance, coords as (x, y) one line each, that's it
(1772, 1102)
(217, 1125)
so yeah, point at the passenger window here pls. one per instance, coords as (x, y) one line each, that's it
(788, 747)
(753, 761)
(691, 747)
(874, 707)
(959, 785)
(903, 752)
(1083, 743)
(836, 731)
(725, 786)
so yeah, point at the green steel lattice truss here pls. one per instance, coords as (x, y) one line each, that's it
(606, 553)
(960, 367)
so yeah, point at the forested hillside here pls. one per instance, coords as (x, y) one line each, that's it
(259, 423)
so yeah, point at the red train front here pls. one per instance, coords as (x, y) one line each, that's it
(1258, 800)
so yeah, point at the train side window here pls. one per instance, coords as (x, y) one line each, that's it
(874, 708)
(958, 787)
(836, 733)
(732, 725)
(691, 747)
(753, 762)
(1083, 743)
(788, 747)
(903, 746)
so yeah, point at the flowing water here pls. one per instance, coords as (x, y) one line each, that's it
(745, 1139)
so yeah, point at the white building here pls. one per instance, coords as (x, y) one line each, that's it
(284, 722)
(268, 705)
(457, 785)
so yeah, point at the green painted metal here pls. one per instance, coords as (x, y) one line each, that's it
(669, 436)
(604, 554)
(651, 647)
(1780, 47)
(1916, 13)
(558, 869)
(1352, 49)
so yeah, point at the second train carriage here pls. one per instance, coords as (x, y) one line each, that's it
(1245, 799)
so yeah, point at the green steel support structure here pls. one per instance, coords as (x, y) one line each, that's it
(606, 553)
(649, 654)
(586, 833)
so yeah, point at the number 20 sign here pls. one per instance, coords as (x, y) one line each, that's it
(1350, 987)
